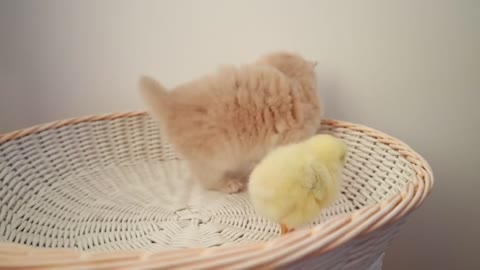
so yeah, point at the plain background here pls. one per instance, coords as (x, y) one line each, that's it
(408, 68)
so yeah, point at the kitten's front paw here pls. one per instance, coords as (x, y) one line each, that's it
(233, 186)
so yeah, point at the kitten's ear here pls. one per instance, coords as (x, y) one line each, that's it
(154, 95)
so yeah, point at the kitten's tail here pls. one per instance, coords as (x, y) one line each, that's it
(154, 95)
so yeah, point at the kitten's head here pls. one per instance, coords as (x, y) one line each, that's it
(292, 65)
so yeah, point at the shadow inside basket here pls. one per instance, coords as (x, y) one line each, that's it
(116, 185)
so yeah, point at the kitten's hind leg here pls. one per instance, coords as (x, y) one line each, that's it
(234, 181)
(215, 178)
(232, 185)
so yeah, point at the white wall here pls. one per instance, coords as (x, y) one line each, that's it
(409, 68)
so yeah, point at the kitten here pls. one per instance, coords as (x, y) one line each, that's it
(223, 124)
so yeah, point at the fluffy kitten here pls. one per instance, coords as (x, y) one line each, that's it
(223, 124)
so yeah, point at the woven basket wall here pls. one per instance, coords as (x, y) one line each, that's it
(106, 192)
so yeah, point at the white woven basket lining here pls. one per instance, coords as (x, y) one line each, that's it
(115, 185)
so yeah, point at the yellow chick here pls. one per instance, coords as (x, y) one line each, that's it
(293, 183)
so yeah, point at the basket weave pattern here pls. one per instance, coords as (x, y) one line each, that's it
(108, 192)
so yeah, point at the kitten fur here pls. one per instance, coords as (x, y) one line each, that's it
(224, 123)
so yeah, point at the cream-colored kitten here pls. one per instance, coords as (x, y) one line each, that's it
(223, 124)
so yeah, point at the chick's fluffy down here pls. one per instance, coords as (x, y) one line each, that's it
(294, 183)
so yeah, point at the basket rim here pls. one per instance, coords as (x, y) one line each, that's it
(280, 251)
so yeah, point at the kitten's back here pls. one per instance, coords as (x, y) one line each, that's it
(238, 110)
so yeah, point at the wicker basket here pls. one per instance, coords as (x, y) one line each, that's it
(106, 192)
